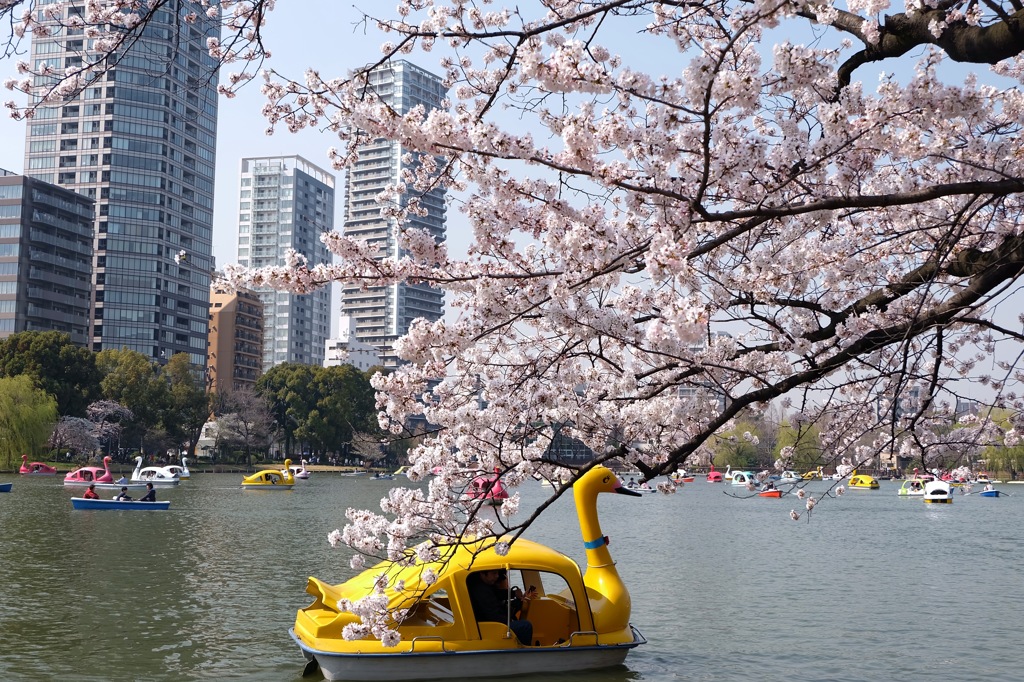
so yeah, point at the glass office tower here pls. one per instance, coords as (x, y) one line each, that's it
(285, 202)
(383, 314)
(45, 258)
(139, 141)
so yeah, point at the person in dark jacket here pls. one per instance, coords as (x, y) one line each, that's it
(490, 603)
(123, 496)
(150, 495)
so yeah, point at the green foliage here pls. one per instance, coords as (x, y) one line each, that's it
(188, 404)
(27, 416)
(806, 444)
(134, 380)
(57, 366)
(731, 448)
(321, 407)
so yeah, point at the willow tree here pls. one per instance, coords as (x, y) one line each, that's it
(27, 417)
(748, 218)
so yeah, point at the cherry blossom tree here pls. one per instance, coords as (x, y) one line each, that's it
(658, 246)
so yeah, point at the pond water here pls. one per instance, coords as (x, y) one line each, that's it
(874, 587)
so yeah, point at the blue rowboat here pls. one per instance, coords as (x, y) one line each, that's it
(5, 487)
(82, 503)
(989, 493)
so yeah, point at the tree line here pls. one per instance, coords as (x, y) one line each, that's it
(67, 402)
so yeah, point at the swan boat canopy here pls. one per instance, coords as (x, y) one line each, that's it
(160, 477)
(271, 479)
(580, 620)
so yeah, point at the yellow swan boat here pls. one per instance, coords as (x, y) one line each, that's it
(271, 479)
(580, 620)
(863, 481)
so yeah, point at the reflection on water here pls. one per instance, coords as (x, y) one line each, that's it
(875, 587)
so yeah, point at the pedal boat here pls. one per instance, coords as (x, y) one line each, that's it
(770, 492)
(938, 492)
(715, 476)
(83, 503)
(101, 477)
(745, 478)
(35, 468)
(915, 486)
(862, 481)
(160, 477)
(789, 476)
(271, 479)
(486, 489)
(580, 620)
(299, 471)
(179, 470)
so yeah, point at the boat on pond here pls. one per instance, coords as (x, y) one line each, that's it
(580, 619)
(914, 486)
(862, 481)
(812, 475)
(6, 487)
(160, 477)
(769, 492)
(35, 468)
(299, 471)
(715, 476)
(486, 488)
(137, 505)
(271, 479)
(681, 476)
(789, 476)
(938, 492)
(745, 478)
(179, 470)
(83, 476)
(988, 491)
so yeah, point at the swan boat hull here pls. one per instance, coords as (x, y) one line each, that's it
(412, 665)
(82, 503)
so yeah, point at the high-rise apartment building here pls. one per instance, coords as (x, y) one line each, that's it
(346, 349)
(45, 258)
(285, 202)
(139, 141)
(236, 339)
(383, 314)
